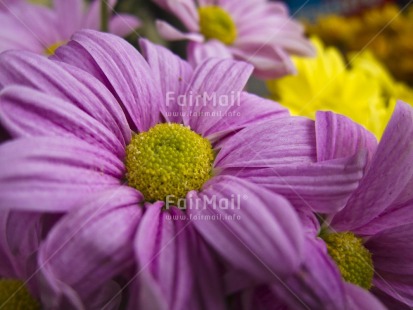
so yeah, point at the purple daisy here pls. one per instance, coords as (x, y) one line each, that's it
(94, 95)
(4, 4)
(379, 212)
(18, 260)
(256, 31)
(21, 234)
(42, 30)
(105, 136)
(363, 252)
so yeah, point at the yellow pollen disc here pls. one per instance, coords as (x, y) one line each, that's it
(15, 296)
(168, 160)
(50, 50)
(216, 23)
(352, 258)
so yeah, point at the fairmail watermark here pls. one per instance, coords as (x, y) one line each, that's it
(204, 217)
(232, 202)
(203, 99)
(215, 208)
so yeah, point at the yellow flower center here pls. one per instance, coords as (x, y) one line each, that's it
(216, 23)
(352, 258)
(168, 161)
(50, 50)
(15, 296)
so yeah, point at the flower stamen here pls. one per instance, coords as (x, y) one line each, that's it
(14, 295)
(168, 160)
(352, 258)
(216, 23)
(51, 49)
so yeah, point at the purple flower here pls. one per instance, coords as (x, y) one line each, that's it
(20, 236)
(4, 4)
(42, 30)
(97, 114)
(379, 211)
(363, 252)
(258, 32)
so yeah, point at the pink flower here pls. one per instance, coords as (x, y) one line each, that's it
(42, 30)
(256, 31)
(80, 122)
(361, 255)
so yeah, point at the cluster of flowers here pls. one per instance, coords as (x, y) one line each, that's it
(369, 95)
(387, 30)
(112, 173)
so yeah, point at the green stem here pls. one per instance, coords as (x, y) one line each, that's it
(104, 16)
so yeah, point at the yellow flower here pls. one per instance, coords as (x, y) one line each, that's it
(390, 88)
(386, 31)
(365, 92)
(335, 30)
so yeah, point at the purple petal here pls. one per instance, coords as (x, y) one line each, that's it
(198, 52)
(69, 83)
(254, 230)
(397, 286)
(4, 134)
(251, 110)
(391, 249)
(389, 301)
(292, 42)
(278, 142)
(109, 297)
(122, 69)
(265, 298)
(338, 136)
(319, 187)
(91, 20)
(24, 233)
(28, 113)
(280, 154)
(258, 298)
(123, 24)
(170, 33)
(13, 35)
(390, 172)
(392, 217)
(317, 284)
(214, 89)
(269, 61)
(97, 234)
(21, 234)
(69, 15)
(184, 10)
(392, 258)
(176, 270)
(4, 4)
(358, 298)
(10, 267)
(54, 174)
(171, 73)
(36, 21)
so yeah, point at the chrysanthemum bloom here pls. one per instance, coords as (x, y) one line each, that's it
(42, 30)
(4, 4)
(390, 87)
(114, 139)
(258, 32)
(21, 233)
(386, 30)
(368, 243)
(378, 218)
(18, 260)
(368, 97)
